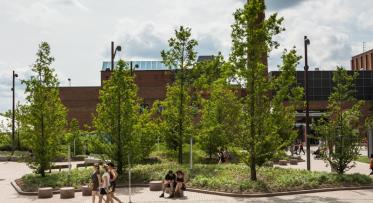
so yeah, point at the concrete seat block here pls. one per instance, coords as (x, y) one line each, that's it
(45, 192)
(86, 190)
(293, 161)
(283, 162)
(155, 185)
(67, 192)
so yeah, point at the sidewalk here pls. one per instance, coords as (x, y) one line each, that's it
(320, 165)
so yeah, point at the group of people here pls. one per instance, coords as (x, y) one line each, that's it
(174, 183)
(223, 156)
(298, 148)
(105, 184)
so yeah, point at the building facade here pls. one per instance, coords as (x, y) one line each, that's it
(363, 61)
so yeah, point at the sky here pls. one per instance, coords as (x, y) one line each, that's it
(80, 32)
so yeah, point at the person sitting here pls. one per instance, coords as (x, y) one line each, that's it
(317, 153)
(180, 185)
(169, 182)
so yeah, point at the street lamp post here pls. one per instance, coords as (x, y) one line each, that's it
(113, 52)
(69, 79)
(306, 43)
(13, 112)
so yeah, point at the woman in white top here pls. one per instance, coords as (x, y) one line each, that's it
(105, 184)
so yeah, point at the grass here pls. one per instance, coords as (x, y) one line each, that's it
(228, 178)
(363, 159)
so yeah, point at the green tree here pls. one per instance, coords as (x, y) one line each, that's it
(252, 40)
(221, 117)
(170, 117)
(45, 115)
(74, 137)
(181, 56)
(286, 92)
(117, 114)
(339, 129)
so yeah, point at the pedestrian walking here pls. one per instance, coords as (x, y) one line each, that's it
(95, 182)
(113, 182)
(301, 148)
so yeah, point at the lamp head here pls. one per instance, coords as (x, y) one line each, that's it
(15, 75)
(118, 48)
(306, 40)
(69, 79)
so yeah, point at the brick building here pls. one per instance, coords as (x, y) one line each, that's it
(151, 78)
(363, 61)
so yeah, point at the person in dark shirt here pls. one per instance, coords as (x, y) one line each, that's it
(169, 182)
(96, 181)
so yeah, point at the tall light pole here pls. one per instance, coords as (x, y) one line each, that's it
(13, 112)
(113, 53)
(69, 79)
(306, 43)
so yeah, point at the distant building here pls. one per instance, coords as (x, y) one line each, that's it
(363, 61)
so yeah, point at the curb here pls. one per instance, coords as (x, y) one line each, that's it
(21, 192)
(227, 194)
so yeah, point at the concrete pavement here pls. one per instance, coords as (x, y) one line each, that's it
(12, 170)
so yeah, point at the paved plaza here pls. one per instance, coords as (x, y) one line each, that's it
(12, 170)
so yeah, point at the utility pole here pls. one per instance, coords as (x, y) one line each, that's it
(306, 43)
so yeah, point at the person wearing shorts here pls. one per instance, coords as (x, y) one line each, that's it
(169, 182)
(96, 181)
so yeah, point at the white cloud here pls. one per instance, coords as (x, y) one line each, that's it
(80, 31)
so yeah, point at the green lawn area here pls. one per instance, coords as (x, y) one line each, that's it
(229, 178)
(363, 159)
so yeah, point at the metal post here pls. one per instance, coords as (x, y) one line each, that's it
(191, 153)
(158, 144)
(306, 43)
(131, 69)
(13, 111)
(69, 160)
(74, 147)
(129, 179)
(112, 56)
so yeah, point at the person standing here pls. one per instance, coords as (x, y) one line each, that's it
(96, 182)
(113, 182)
(301, 148)
(105, 184)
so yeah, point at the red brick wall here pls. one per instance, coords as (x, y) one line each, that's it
(80, 102)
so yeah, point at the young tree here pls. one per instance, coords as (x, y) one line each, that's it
(339, 129)
(73, 137)
(117, 114)
(181, 56)
(170, 116)
(45, 115)
(252, 40)
(221, 117)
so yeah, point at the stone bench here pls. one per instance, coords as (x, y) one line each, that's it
(67, 192)
(155, 185)
(86, 190)
(45, 192)
(283, 162)
(293, 161)
(85, 165)
(59, 167)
